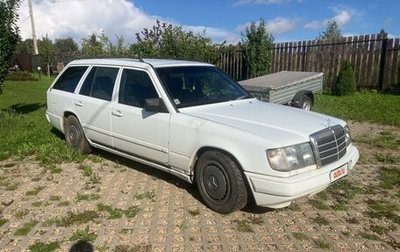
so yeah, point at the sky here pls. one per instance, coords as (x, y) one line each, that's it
(222, 20)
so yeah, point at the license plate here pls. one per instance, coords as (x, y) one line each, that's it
(338, 173)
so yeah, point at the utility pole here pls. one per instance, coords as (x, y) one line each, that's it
(35, 48)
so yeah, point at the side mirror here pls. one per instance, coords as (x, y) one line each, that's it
(155, 105)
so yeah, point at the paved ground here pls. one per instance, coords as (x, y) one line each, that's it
(130, 207)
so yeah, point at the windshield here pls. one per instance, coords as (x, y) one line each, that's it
(197, 85)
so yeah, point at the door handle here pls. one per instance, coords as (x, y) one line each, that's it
(117, 113)
(78, 103)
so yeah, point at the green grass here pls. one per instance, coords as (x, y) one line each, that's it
(343, 192)
(19, 214)
(382, 208)
(369, 236)
(390, 177)
(117, 213)
(77, 218)
(182, 227)
(26, 228)
(37, 204)
(44, 247)
(194, 211)
(24, 129)
(2, 222)
(243, 226)
(145, 195)
(323, 244)
(83, 235)
(55, 198)
(319, 204)
(131, 212)
(387, 158)
(86, 197)
(63, 203)
(86, 170)
(35, 191)
(379, 229)
(300, 236)
(320, 220)
(363, 106)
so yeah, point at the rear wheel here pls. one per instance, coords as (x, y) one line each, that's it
(74, 135)
(220, 182)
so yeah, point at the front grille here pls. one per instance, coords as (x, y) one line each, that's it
(329, 144)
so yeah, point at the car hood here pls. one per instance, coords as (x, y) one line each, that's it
(282, 125)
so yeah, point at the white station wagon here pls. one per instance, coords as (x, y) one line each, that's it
(191, 120)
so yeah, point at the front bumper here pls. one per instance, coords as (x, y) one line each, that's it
(278, 192)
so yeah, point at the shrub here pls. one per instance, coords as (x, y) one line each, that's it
(345, 83)
(393, 89)
(20, 76)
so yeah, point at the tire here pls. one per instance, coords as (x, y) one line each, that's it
(74, 135)
(306, 103)
(220, 182)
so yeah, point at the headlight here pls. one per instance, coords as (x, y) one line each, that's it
(291, 158)
(347, 137)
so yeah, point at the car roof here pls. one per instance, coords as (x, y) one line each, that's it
(137, 62)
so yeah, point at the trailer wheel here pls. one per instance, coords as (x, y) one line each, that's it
(306, 103)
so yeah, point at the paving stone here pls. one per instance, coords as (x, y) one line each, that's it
(172, 217)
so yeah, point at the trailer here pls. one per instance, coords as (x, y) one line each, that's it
(295, 89)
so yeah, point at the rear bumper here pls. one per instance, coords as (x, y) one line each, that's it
(54, 120)
(278, 192)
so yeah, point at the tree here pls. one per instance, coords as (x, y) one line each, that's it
(346, 82)
(92, 46)
(169, 41)
(383, 34)
(332, 32)
(47, 52)
(257, 44)
(119, 49)
(24, 46)
(8, 35)
(65, 45)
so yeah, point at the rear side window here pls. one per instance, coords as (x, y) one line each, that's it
(70, 78)
(100, 83)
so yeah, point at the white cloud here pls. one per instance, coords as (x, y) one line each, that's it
(78, 19)
(281, 25)
(313, 25)
(343, 15)
(390, 35)
(218, 35)
(267, 2)
(275, 26)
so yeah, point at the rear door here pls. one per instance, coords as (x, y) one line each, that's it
(135, 130)
(93, 104)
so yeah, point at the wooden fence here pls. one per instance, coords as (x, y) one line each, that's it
(375, 58)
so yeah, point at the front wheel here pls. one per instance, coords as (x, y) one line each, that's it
(74, 135)
(220, 182)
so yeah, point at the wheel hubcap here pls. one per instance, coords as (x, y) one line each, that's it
(215, 182)
(73, 135)
(307, 105)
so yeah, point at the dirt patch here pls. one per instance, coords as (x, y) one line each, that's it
(112, 204)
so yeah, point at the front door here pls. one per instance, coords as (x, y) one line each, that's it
(135, 130)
